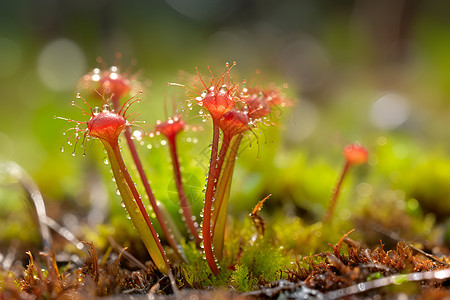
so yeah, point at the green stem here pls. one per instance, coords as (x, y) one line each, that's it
(209, 195)
(135, 207)
(219, 216)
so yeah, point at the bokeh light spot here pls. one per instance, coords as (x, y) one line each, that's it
(390, 111)
(60, 65)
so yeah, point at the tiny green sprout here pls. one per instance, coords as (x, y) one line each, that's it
(354, 154)
(107, 125)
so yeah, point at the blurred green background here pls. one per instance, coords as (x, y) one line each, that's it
(376, 72)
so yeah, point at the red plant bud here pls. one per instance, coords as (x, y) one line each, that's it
(171, 127)
(356, 154)
(108, 82)
(106, 125)
(234, 122)
(256, 101)
(218, 101)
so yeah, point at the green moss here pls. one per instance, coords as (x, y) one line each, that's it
(249, 261)
(241, 279)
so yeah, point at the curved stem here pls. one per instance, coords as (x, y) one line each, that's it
(209, 195)
(181, 192)
(145, 182)
(135, 207)
(336, 191)
(148, 190)
(219, 215)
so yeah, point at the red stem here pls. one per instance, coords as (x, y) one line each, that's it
(148, 190)
(209, 194)
(336, 191)
(181, 192)
(223, 152)
(137, 197)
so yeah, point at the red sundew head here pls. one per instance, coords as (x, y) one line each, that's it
(256, 102)
(219, 96)
(234, 122)
(171, 127)
(218, 101)
(356, 154)
(109, 82)
(106, 125)
(114, 83)
(103, 124)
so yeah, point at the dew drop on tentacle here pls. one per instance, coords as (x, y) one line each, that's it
(105, 160)
(118, 193)
(78, 96)
(96, 110)
(62, 149)
(106, 108)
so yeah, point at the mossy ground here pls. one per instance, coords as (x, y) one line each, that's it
(291, 256)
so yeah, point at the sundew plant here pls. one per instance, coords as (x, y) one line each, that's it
(235, 111)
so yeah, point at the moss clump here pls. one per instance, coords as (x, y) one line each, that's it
(250, 261)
